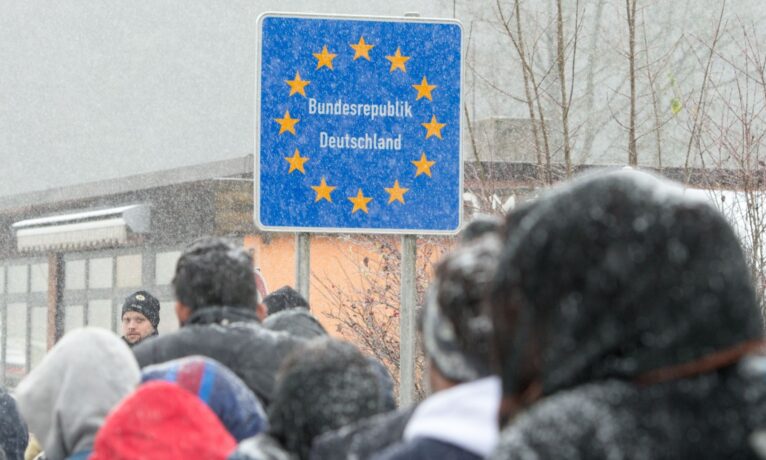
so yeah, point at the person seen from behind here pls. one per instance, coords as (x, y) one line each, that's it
(373, 435)
(66, 398)
(327, 385)
(624, 324)
(228, 397)
(162, 421)
(216, 306)
(459, 419)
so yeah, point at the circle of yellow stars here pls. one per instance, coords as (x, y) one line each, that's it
(287, 124)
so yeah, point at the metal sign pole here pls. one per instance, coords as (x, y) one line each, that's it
(407, 322)
(303, 264)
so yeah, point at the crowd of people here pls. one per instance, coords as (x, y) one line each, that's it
(613, 317)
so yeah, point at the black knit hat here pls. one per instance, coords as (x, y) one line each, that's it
(285, 298)
(144, 303)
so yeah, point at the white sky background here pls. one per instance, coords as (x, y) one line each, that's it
(98, 90)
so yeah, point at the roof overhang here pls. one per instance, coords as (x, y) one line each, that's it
(82, 230)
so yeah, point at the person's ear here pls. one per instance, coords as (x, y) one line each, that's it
(183, 313)
(261, 311)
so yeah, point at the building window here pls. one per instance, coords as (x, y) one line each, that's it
(74, 317)
(168, 318)
(166, 267)
(74, 278)
(38, 277)
(100, 273)
(38, 334)
(16, 342)
(100, 313)
(129, 270)
(17, 279)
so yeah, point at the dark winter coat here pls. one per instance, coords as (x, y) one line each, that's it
(13, 430)
(295, 321)
(362, 439)
(623, 309)
(424, 448)
(231, 336)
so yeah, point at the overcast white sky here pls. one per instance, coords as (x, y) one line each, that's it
(97, 90)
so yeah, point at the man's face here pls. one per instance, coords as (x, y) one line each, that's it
(135, 326)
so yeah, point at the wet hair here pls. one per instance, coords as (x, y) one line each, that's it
(481, 225)
(285, 298)
(213, 272)
(320, 388)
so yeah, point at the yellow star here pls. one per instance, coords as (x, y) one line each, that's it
(361, 49)
(397, 61)
(324, 59)
(297, 86)
(423, 165)
(296, 162)
(433, 128)
(396, 193)
(360, 202)
(424, 89)
(287, 123)
(323, 191)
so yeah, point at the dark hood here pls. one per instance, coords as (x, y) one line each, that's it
(295, 321)
(615, 275)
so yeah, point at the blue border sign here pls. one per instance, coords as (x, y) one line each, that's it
(358, 125)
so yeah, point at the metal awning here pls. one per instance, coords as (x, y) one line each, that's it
(82, 230)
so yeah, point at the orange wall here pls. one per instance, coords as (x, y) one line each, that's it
(334, 260)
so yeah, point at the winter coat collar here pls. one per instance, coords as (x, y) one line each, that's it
(221, 315)
(465, 416)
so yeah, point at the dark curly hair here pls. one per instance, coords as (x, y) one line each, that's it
(213, 272)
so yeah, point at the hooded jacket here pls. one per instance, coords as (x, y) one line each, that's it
(67, 396)
(623, 311)
(13, 430)
(223, 392)
(162, 421)
(233, 337)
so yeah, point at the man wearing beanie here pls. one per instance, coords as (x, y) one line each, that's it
(140, 317)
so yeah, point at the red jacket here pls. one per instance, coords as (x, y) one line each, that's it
(162, 421)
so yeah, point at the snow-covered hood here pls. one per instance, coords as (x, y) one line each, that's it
(618, 275)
